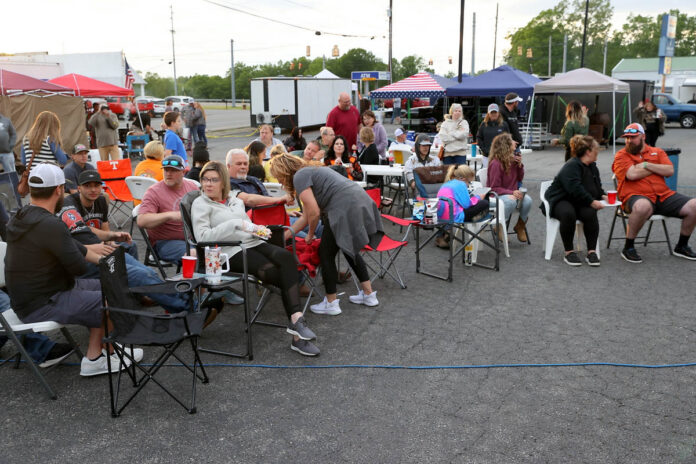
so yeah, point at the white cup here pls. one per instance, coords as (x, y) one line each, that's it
(213, 264)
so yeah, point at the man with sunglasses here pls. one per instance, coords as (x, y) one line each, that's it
(159, 212)
(640, 172)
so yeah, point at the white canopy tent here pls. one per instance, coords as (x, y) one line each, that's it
(585, 80)
(326, 74)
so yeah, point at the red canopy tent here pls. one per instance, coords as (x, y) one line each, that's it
(87, 87)
(12, 83)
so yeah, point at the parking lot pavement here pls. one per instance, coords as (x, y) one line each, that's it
(531, 312)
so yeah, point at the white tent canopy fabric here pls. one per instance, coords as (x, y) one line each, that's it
(585, 80)
(581, 80)
(326, 74)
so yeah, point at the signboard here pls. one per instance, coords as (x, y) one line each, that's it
(666, 48)
(369, 75)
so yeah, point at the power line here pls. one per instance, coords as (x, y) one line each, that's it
(317, 32)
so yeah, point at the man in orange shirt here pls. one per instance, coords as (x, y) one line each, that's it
(640, 171)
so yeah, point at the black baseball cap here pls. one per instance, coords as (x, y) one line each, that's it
(90, 175)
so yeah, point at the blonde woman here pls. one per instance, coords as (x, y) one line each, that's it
(323, 193)
(505, 175)
(151, 166)
(454, 134)
(44, 141)
(275, 151)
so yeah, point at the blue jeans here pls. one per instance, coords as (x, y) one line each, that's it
(8, 161)
(140, 275)
(511, 205)
(37, 345)
(200, 130)
(303, 232)
(171, 250)
(131, 248)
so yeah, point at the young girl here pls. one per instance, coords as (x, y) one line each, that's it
(456, 188)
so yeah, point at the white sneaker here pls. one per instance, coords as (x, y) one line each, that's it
(137, 353)
(330, 309)
(367, 300)
(99, 366)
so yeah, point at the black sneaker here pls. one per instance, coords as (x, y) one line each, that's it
(571, 259)
(58, 353)
(300, 329)
(592, 259)
(631, 255)
(304, 347)
(685, 252)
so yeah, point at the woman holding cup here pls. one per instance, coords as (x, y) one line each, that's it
(576, 194)
(218, 215)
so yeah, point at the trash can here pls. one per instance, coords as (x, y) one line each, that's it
(673, 155)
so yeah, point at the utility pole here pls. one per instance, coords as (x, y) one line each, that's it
(389, 13)
(584, 35)
(495, 37)
(473, 44)
(604, 66)
(176, 90)
(565, 50)
(233, 93)
(549, 73)
(461, 41)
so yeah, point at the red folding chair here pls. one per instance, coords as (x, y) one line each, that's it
(113, 174)
(275, 215)
(388, 246)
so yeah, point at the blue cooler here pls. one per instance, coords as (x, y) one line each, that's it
(411, 135)
(673, 155)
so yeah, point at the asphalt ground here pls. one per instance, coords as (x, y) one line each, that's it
(489, 397)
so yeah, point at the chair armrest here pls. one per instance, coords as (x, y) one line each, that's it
(149, 315)
(218, 243)
(181, 286)
(399, 221)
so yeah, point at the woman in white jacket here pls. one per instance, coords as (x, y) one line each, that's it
(218, 215)
(454, 134)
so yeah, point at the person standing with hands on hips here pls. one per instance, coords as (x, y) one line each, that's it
(105, 124)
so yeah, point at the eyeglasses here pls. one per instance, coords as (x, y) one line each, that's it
(172, 163)
(210, 180)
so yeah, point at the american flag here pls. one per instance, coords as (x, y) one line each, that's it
(130, 77)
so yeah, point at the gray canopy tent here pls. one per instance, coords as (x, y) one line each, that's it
(586, 81)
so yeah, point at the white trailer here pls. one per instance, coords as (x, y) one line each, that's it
(291, 102)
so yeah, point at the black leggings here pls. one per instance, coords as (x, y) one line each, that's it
(568, 213)
(276, 266)
(328, 249)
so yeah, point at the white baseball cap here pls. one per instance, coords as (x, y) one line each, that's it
(398, 132)
(46, 175)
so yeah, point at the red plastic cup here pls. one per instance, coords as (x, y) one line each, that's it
(611, 196)
(188, 265)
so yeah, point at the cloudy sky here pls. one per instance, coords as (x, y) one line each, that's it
(141, 29)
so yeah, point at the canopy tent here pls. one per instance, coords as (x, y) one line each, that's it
(586, 81)
(420, 85)
(464, 76)
(326, 74)
(87, 87)
(495, 83)
(12, 83)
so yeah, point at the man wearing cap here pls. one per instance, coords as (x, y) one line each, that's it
(640, 172)
(511, 115)
(42, 262)
(159, 212)
(492, 125)
(79, 164)
(105, 125)
(90, 205)
(345, 119)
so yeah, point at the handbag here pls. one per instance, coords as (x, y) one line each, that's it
(441, 153)
(23, 185)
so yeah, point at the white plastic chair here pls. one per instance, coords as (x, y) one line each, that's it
(482, 175)
(138, 185)
(14, 329)
(552, 225)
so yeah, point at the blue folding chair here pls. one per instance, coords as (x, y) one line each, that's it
(135, 144)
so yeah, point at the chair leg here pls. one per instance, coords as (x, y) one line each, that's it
(611, 231)
(647, 236)
(669, 244)
(551, 232)
(22, 352)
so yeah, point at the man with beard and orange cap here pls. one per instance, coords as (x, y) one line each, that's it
(640, 171)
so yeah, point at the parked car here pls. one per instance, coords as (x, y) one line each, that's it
(121, 106)
(676, 111)
(178, 101)
(158, 107)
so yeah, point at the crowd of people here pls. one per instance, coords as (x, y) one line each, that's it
(55, 242)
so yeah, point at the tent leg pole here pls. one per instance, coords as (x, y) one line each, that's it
(613, 112)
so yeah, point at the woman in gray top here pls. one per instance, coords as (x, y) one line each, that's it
(350, 217)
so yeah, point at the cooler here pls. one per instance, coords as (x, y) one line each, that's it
(673, 155)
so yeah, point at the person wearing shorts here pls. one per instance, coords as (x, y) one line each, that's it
(42, 262)
(640, 172)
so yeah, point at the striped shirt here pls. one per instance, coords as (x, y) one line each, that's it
(46, 153)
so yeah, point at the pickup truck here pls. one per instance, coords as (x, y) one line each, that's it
(676, 111)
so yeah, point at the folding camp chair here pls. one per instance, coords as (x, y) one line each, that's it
(133, 325)
(8, 191)
(113, 174)
(15, 330)
(151, 256)
(387, 246)
(135, 144)
(138, 185)
(276, 218)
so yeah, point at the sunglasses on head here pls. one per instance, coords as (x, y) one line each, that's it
(173, 163)
(631, 131)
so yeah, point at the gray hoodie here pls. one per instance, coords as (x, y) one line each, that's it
(8, 135)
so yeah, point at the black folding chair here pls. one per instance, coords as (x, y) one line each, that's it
(134, 325)
(151, 257)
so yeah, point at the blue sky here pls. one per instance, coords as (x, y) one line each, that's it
(203, 31)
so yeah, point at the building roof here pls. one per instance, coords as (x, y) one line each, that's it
(679, 63)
